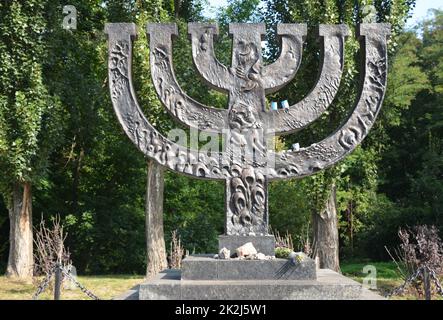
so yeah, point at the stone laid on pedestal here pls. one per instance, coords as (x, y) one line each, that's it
(263, 244)
(245, 250)
(203, 267)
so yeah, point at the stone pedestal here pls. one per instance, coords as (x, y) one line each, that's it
(201, 267)
(330, 285)
(263, 244)
(205, 278)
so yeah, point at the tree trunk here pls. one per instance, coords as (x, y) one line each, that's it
(21, 260)
(76, 180)
(155, 241)
(350, 212)
(326, 234)
(177, 7)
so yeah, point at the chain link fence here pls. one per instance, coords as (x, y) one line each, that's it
(427, 275)
(66, 274)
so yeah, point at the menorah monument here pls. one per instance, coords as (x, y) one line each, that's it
(247, 161)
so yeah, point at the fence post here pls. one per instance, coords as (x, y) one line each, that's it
(427, 283)
(58, 282)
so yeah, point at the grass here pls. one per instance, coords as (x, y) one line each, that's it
(110, 286)
(385, 270)
(388, 278)
(105, 287)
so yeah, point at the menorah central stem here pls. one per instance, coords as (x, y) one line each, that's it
(246, 189)
(247, 203)
(247, 211)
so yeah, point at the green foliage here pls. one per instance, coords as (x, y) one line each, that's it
(239, 11)
(29, 113)
(288, 210)
(195, 208)
(406, 80)
(282, 253)
(99, 198)
(412, 163)
(356, 194)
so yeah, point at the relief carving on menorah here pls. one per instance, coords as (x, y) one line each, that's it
(247, 162)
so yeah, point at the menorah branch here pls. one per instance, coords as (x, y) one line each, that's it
(327, 152)
(182, 107)
(283, 70)
(215, 74)
(147, 139)
(321, 96)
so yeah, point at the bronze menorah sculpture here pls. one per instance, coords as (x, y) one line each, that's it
(246, 163)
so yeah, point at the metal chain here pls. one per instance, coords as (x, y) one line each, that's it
(78, 284)
(45, 283)
(436, 281)
(420, 270)
(401, 288)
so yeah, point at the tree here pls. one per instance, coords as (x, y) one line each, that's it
(99, 199)
(29, 121)
(364, 173)
(412, 166)
(155, 238)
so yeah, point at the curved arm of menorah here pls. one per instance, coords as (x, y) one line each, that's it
(283, 70)
(318, 100)
(181, 106)
(215, 74)
(134, 123)
(320, 155)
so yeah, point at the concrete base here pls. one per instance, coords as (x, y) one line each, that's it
(263, 244)
(131, 294)
(204, 267)
(329, 285)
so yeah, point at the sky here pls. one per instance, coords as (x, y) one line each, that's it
(210, 12)
(419, 12)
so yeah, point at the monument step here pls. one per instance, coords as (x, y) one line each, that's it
(203, 267)
(329, 285)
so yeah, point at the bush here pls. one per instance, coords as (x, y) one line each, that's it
(282, 253)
